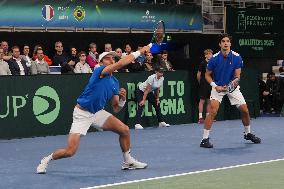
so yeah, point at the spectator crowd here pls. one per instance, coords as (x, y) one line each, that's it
(23, 61)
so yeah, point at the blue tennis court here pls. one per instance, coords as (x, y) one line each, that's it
(167, 151)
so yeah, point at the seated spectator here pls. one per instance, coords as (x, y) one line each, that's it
(164, 62)
(26, 55)
(16, 64)
(46, 58)
(39, 66)
(148, 64)
(60, 58)
(70, 66)
(7, 53)
(108, 47)
(127, 50)
(118, 52)
(138, 62)
(92, 57)
(272, 94)
(82, 66)
(4, 67)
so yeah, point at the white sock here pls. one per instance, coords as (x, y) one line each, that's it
(126, 156)
(247, 129)
(200, 115)
(205, 133)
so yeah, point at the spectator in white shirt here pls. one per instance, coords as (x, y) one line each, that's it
(4, 67)
(82, 66)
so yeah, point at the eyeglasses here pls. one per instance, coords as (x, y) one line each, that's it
(59, 46)
(82, 55)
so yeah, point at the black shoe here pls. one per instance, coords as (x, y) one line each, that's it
(205, 143)
(252, 138)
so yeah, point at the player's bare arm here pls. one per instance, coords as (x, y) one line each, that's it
(118, 101)
(147, 90)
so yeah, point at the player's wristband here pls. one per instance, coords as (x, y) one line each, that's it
(213, 84)
(121, 103)
(136, 54)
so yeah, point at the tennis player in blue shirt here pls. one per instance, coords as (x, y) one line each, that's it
(225, 66)
(89, 111)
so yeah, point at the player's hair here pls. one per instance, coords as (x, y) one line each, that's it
(222, 36)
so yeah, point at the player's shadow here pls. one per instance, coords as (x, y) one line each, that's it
(239, 150)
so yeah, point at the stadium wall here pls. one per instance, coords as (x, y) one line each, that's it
(42, 105)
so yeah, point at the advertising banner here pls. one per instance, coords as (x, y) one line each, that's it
(93, 15)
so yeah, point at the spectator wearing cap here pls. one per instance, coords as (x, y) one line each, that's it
(82, 66)
(92, 57)
(150, 90)
(39, 66)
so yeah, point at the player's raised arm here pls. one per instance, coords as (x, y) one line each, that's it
(124, 61)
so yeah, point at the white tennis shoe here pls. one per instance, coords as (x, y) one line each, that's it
(41, 168)
(133, 164)
(163, 124)
(138, 126)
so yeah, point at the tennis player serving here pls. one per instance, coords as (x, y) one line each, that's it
(89, 111)
(225, 67)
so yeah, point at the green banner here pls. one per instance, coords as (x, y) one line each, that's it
(252, 21)
(42, 105)
(258, 45)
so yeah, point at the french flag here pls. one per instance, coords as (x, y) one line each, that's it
(47, 12)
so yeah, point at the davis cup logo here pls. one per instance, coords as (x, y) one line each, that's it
(46, 105)
(47, 12)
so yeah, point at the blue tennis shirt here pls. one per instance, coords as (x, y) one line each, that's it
(98, 91)
(223, 70)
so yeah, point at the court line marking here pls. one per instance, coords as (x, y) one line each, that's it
(182, 174)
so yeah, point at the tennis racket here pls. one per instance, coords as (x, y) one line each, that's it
(231, 87)
(158, 36)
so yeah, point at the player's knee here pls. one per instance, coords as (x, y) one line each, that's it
(125, 130)
(244, 109)
(70, 152)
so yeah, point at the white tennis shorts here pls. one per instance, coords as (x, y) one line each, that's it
(83, 120)
(236, 97)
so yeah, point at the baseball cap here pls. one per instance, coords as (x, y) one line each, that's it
(101, 56)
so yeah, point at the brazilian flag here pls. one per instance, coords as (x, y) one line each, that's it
(79, 13)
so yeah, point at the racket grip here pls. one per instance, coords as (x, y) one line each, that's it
(150, 45)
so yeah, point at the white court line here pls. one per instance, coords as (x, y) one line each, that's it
(183, 174)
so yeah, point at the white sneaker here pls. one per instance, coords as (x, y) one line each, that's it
(41, 168)
(163, 124)
(138, 126)
(133, 164)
